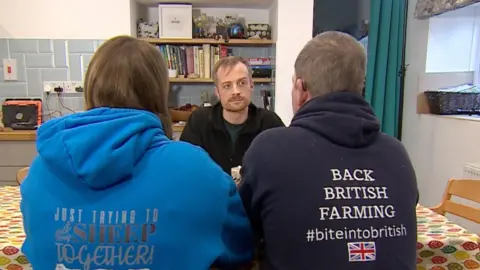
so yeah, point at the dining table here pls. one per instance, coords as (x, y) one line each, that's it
(444, 245)
(441, 244)
(11, 230)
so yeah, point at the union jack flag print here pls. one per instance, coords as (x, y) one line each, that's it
(361, 251)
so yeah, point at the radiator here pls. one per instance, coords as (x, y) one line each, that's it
(470, 171)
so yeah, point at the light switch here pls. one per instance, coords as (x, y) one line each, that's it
(10, 69)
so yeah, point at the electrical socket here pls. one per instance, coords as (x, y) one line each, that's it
(68, 86)
(50, 85)
(76, 85)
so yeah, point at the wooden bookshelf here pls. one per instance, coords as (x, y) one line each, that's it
(197, 41)
(204, 80)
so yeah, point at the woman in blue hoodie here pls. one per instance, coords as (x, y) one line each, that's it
(109, 189)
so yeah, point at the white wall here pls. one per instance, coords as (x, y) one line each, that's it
(438, 145)
(273, 19)
(75, 19)
(294, 30)
(364, 9)
(134, 17)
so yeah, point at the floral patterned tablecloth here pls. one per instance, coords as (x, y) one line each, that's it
(11, 231)
(443, 245)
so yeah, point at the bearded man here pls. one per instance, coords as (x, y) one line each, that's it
(227, 129)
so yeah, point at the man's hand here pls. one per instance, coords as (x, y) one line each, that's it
(235, 172)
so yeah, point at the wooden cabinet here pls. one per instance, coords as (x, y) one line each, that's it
(15, 153)
(177, 131)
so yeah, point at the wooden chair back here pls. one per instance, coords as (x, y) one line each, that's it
(21, 174)
(466, 189)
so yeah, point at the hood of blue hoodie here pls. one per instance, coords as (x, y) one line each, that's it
(100, 147)
(344, 118)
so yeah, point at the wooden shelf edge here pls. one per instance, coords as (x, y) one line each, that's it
(204, 80)
(18, 135)
(232, 42)
(422, 104)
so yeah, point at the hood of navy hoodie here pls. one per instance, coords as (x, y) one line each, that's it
(344, 118)
(100, 147)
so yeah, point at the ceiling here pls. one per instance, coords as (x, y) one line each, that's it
(216, 3)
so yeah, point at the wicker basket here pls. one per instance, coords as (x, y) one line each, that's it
(451, 102)
(178, 115)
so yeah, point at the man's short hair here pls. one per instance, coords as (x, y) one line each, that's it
(229, 62)
(331, 62)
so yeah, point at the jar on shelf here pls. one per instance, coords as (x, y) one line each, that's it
(147, 29)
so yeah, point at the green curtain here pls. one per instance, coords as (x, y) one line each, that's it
(385, 61)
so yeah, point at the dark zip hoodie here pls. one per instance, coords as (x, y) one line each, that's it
(331, 191)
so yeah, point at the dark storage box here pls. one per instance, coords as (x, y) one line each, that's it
(463, 101)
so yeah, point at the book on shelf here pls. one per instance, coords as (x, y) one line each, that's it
(196, 61)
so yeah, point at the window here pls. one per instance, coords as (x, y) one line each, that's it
(453, 41)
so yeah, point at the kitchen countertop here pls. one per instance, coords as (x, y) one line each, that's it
(18, 135)
(31, 135)
(177, 128)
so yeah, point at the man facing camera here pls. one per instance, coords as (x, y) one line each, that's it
(227, 129)
(331, 191)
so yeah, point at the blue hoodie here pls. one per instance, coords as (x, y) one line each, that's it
(109, 190)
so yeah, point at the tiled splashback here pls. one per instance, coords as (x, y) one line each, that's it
(40, 60)
(46, 60)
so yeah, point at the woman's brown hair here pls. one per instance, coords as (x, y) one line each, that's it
(129, 73)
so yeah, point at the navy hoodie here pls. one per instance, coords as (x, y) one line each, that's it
(331, 191)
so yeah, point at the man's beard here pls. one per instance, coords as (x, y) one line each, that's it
(237, 107)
